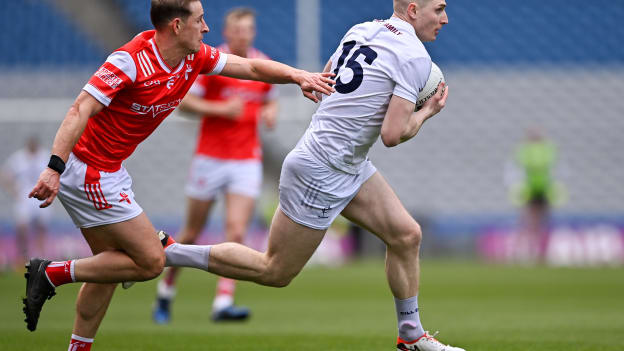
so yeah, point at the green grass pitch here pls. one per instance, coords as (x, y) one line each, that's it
(475, 306)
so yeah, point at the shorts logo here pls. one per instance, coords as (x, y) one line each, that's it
(324, 211)
(124, 197)
(108, 77)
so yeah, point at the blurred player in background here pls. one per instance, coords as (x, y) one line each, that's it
(534, 187)
(18, 176)
(227, 161)
(380, 68)
(124, 101)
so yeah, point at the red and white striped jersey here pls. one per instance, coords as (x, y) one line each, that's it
(139, 91)
(223, 137)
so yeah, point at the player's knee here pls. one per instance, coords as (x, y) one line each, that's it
(277, 277)
(153, 265)
(410, 237)
(279, 280)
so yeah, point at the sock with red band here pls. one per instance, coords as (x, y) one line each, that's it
(225, 294)
(78, 343)
(60, 272)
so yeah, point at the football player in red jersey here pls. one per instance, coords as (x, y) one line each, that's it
(227, 160)
(124, 101)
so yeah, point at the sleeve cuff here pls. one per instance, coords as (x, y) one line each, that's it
(98, 95)
(220, 64)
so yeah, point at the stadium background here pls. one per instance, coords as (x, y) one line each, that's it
(557, 65)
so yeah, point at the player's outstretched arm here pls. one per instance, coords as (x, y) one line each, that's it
(401, 123)
(279, 73)
(67, 135)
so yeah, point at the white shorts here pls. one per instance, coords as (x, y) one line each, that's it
(27, 211)
(312, 193)
(93, 197)
(210, 176)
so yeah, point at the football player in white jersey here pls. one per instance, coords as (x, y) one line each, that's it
(380, 67)
(17, 176)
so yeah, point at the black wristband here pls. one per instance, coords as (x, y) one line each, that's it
(56, 163)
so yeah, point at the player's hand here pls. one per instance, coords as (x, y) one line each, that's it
(316, 82)
(233, 107)
(437, 102)
(47, 187)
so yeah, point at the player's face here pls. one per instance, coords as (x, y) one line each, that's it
(430, 19)
(240, 34)
(194, 27)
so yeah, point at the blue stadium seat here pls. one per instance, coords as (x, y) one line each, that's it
(43, 37)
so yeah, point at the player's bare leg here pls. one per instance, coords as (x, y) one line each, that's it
(377, 208)
(197, 212)
(134, 254)
(238, 211)
(138, 255)
(290, 246)
(93, 299)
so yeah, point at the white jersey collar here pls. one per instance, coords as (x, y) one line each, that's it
(401, 24)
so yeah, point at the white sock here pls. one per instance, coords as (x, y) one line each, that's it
(408, 318)
(165, 291)
(222, 301)
(180, 255)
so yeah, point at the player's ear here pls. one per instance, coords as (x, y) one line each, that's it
(176, 25)
(412, 9)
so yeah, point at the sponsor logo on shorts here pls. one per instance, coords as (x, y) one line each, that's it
(324, 211)
(108, 77)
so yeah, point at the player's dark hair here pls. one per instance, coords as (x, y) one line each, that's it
(163, 11)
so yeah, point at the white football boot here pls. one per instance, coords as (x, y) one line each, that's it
(425, 343)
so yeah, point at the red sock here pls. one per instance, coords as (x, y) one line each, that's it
(79, 343)
(60, 272)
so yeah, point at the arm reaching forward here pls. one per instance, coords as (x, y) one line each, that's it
(279, 73)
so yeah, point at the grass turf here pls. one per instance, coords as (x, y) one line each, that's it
(475, 306)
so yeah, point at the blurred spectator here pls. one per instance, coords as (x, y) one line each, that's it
(18, 176)
(534, 188)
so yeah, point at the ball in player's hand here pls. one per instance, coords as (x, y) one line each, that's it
(431, 87)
